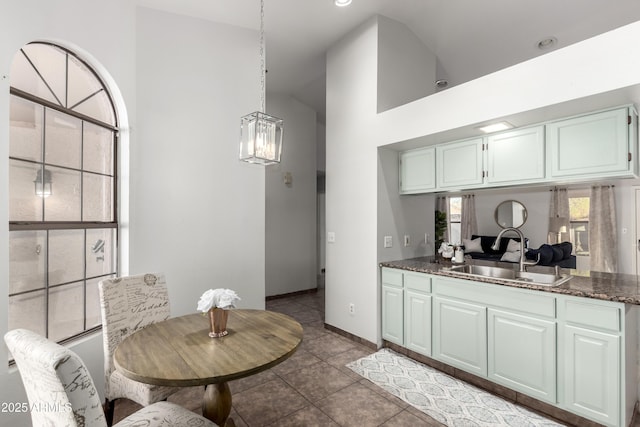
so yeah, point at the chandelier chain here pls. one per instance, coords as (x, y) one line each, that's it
(263, 62)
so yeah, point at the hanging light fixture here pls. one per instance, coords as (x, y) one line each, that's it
(43, 183)
(260, 133)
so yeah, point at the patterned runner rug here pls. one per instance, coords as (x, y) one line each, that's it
(442, 397)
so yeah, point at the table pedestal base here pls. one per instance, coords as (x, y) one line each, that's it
(216, 404)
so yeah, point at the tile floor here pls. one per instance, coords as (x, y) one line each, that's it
(313, 387)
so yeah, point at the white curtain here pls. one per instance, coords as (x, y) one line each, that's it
(603, 246)
(442, 205)
(558, 216)
(468, 222)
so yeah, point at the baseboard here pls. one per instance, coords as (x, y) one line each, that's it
(350, 336)
(292, 294)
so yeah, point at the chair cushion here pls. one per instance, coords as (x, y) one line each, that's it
(164, 414)
(558, 254)
(567, 248)
(473, 245)
(56, 381)
(141, 393)
(513, 245)
(128, 304)
(546, 254)
(511, 256)
(487, 241)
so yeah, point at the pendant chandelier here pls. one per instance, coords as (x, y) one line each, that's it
(260, 133)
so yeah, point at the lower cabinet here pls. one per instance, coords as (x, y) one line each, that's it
(392, 305)
(417, 321)
(578, 354)
(595, 367)
(460, 335)
(591, 374)
(522, 353)
(406, 309)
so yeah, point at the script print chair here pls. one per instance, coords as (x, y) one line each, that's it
(61, 391)
(128, 304)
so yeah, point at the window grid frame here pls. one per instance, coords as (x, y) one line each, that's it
(48, 226)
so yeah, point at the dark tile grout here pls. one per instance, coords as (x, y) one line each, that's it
(310, 304)
(309, 308)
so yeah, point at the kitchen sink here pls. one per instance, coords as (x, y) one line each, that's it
(543, 279)
(485, 271)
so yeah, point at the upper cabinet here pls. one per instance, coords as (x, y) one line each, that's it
(603, 145)
(595, 144)
(516, 156)
(459, 164)
(418, 170)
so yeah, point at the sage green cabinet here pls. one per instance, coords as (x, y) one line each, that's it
(594, 367)
(522, 353)
(406, 309)
(516, 157)
(578, 354)
(597, 145)
(590, 145)
(417, 312)
(392, 306)
(417, 170)
(459, 164)
(592, 379)
(460, 334)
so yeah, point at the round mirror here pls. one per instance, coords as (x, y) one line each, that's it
(510, 213)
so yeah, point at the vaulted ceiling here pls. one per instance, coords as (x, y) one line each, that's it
(471, 38)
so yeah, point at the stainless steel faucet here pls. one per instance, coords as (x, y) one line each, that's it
(523, 263)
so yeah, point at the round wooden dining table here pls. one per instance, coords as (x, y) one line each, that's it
(179, 352)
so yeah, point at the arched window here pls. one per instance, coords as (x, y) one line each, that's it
(63, 225)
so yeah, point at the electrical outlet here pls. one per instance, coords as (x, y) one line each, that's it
(352, 308)
(388, 241)
(331, 237)
(407, 240)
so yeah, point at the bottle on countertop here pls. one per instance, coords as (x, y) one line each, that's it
(459, 255)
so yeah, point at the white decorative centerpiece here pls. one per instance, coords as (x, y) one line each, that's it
(446, 249)
(217, 302)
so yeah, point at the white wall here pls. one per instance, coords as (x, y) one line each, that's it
(196, 212)
(351, 197)
(355, 131)
(291, 256)
(399, 216)
(406, 67)
(535, 200)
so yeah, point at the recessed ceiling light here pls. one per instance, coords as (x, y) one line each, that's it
(547, 43)
(441, 83)
(342, 3)
(495, 127)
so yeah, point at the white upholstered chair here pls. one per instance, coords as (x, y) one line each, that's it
(61, 391)
(128, 304)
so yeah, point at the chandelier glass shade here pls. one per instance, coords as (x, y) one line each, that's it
(260, 138)
(260, 133)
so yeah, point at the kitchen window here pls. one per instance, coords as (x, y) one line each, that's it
(63, 228)
(455, 220)
(579, 222)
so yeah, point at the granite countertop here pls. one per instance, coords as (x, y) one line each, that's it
(604, 286)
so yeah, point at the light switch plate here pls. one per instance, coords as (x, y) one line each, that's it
(388, 241)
